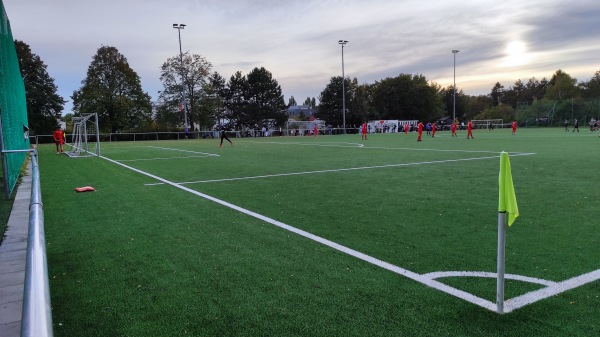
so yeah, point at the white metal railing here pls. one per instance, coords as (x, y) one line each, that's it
(37, 312)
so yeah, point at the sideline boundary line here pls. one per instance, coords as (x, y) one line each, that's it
(426, 279)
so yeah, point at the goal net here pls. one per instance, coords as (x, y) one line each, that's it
(488, 124)
(86, 138)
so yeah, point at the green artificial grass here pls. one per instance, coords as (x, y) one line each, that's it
(136, 258)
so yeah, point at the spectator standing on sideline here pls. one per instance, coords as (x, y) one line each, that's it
(470, 130)
(59, 139)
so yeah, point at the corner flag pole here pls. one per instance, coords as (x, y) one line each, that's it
(501, 255)
(507, 203)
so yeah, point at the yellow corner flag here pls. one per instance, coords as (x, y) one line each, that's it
(507, 201)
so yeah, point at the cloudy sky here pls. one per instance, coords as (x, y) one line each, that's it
(297, 41)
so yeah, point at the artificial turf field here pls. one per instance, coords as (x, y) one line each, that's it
(182, 238)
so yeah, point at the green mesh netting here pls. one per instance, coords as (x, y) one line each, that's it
(13, 108)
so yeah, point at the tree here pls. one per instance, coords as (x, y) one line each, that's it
(591, 89)
(407, 97)
(265, 104)
(44, 105)
(503, 111)
(562, 86)
(330, 108)
(213, 102)
(497, 92)
(235, 102)
(475, 106)
(462, 102)
(113, 90)
(292, 102)
(194, 71)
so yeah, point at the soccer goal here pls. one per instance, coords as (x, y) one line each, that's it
(86, 137)
(489, 124)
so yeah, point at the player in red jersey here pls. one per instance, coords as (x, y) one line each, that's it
(406, 126)
(364, 131)
(470, 130)
(454, 130)
(433, 128)
(420, 131)
(315, 131)
(59, 139)
(514, 127)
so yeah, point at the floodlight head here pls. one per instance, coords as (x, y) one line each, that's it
(455, 51)
(342, 41)
(179, 26)
(174, 25)
(182, 25)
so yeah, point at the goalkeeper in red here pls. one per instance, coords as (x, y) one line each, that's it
(59, 139)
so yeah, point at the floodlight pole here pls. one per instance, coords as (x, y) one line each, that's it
(343, 43)
(454, 96)
(179, 27)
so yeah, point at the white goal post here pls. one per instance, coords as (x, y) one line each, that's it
(488, 123)
(85, 141)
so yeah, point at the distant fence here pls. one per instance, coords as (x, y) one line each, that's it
(555, 112)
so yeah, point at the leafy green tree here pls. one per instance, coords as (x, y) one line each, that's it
(44, 105)
(360, 103)
(502, 111)
(310, 102)
(330, 107)
(194, 71)
(462, 102)
(475, 106)
(235, 102)
(535, 89)
(497, 92)
(265, 104)
(292, 102)
(591, 89)
(113, 90)
(407, 97)
(214, 100)
(562, 86)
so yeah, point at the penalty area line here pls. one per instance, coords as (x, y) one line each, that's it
(336, 170)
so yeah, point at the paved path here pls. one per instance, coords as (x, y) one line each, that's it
(13, 250)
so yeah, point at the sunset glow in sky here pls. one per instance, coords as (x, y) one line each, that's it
(499, 41)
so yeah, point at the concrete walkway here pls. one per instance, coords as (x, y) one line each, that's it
(13, 251)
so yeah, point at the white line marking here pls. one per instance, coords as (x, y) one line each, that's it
(540, 294)
(333, 144)
(132, 160)
(441, 274)
(180, 150)
(363, 146)
(426, 279)
(335, 170)
(412, 275)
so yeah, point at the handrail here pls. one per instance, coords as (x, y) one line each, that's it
(37, 312)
